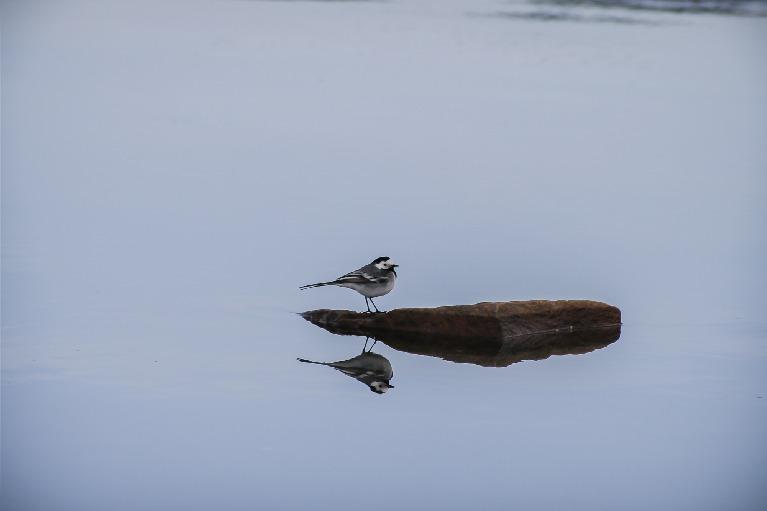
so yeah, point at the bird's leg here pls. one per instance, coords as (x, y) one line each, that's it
(366, 344)
(371, 346)
(374, 305)
(367, 304)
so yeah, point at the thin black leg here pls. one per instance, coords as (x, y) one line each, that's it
(366, 344)
(374, 305)
(371, 346)
(368, 305)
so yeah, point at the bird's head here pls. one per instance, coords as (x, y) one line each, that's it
(380, 387)
(384, 263)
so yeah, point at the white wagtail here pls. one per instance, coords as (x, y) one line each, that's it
(372, 280)
(372, 369)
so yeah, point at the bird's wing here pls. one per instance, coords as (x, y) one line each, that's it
(355, 372)
(367, 364)
(365, 375)
(357, 277)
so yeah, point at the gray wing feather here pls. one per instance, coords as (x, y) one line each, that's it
(355, 278)
(368, 274)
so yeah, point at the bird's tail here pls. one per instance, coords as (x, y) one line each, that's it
(311, 362)
(318, 284)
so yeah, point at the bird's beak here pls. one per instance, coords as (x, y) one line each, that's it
(394, 265)
(390, 386)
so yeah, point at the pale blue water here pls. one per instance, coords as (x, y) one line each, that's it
(172, 172)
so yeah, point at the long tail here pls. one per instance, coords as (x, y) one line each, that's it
(318, 284)
(311, 362)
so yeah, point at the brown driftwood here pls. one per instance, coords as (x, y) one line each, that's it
(489, 333)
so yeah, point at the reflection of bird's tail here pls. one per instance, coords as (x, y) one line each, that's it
(318, 284)
(311, 361)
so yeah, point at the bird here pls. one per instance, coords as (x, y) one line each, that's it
(372, 369)
(371, 281)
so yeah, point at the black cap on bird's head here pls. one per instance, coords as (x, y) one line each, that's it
(380, 387)
(385, 263)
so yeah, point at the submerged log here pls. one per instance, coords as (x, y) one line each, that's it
(488, 334)
(487, 320)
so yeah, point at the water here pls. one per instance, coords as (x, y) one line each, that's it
(172, 172)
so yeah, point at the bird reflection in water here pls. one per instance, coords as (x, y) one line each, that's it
(372, 369)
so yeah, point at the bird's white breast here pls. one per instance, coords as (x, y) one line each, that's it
(383, 288)
(372, 290)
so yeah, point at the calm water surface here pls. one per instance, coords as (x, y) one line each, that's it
(173, 171)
